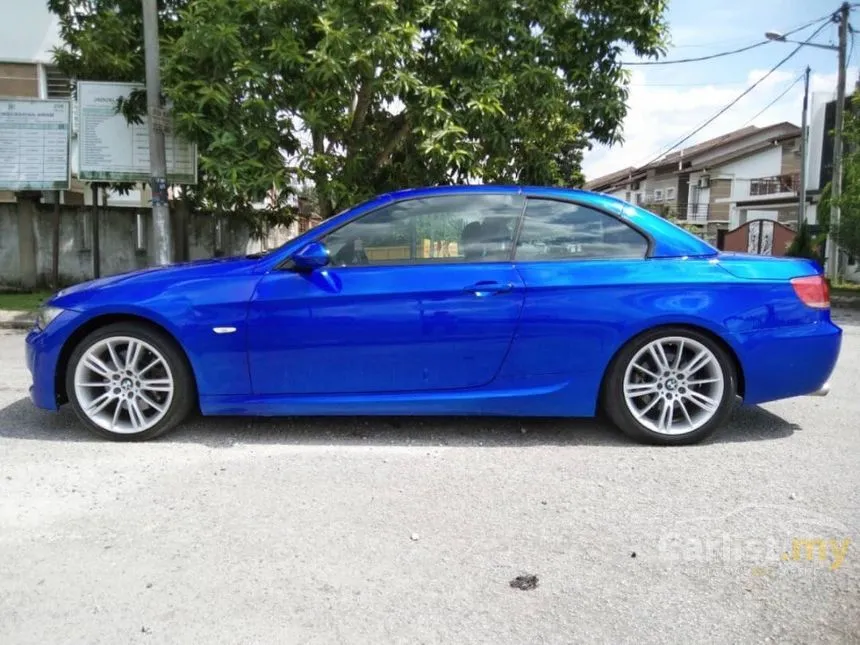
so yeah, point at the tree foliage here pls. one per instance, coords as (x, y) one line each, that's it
(355, 97)
(806, 245)
(848, 233)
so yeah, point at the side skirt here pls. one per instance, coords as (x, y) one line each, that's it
(550, 400)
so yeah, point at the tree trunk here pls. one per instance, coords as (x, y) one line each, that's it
(321, 177)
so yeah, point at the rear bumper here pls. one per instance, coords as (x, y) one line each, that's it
(789, 361)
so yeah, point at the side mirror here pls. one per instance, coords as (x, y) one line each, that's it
(311, 257)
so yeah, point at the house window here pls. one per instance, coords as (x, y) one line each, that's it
(670, 193)
(658, 195)
(57, 83)
(627, 196)
(639, 199)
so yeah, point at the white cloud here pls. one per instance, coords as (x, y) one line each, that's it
(659, 116)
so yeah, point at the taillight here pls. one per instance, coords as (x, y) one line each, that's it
(813, 291)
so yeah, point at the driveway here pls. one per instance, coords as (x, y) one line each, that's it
(411, 530)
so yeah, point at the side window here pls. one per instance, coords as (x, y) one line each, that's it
(562, 231)
(444, 229)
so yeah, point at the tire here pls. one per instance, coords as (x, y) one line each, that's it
(699, 390)
(129, 398)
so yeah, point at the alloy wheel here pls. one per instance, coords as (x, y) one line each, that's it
(123, 384)
(674, 385)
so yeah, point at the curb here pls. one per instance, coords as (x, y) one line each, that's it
(845, 302)
(22, 325)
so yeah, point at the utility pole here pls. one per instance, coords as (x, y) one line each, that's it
(156, 120)
(836, 182)
(97, 247)
(801, 206)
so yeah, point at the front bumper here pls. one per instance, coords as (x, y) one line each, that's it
(43, 348)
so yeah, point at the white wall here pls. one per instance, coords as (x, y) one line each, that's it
(766, 163)
(817, 104)
(28, 32)
(704, 198)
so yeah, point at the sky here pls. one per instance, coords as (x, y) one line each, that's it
(667, 102)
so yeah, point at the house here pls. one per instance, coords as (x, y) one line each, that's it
(622, 184)
(750, 173)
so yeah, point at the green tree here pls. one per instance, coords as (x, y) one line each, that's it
(848, 231)
(355, 97)
(806, 245)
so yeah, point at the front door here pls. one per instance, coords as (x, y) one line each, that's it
(421, 295)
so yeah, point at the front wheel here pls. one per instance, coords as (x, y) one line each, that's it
(128, 382)
(670, 386)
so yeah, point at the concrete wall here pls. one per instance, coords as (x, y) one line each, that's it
(118, 241)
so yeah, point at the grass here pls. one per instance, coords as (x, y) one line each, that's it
(847, 288)
(22, 301)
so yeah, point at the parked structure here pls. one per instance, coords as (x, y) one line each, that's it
(719, 184)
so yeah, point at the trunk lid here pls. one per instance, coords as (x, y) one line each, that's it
(766, 267)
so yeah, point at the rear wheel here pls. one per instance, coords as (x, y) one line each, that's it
(670, 386)
(129, 382)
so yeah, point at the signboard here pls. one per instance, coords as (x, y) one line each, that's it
(34, 144)
(111, 149)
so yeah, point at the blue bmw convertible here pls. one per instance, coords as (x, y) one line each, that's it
(446, 301)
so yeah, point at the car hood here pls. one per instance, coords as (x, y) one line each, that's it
(171, 274)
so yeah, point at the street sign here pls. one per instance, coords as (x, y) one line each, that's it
(34, 144)
(111, 149)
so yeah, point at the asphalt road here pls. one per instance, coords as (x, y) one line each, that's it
(411, 530)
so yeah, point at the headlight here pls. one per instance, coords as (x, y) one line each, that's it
(46, 316)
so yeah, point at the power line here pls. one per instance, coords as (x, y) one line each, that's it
(727, 53)
(738, 98)
(722, 84)
(709, 84)
(697, 59)
(735, 41)
(769, 105)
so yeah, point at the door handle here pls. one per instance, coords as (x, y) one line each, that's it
(489, 288)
